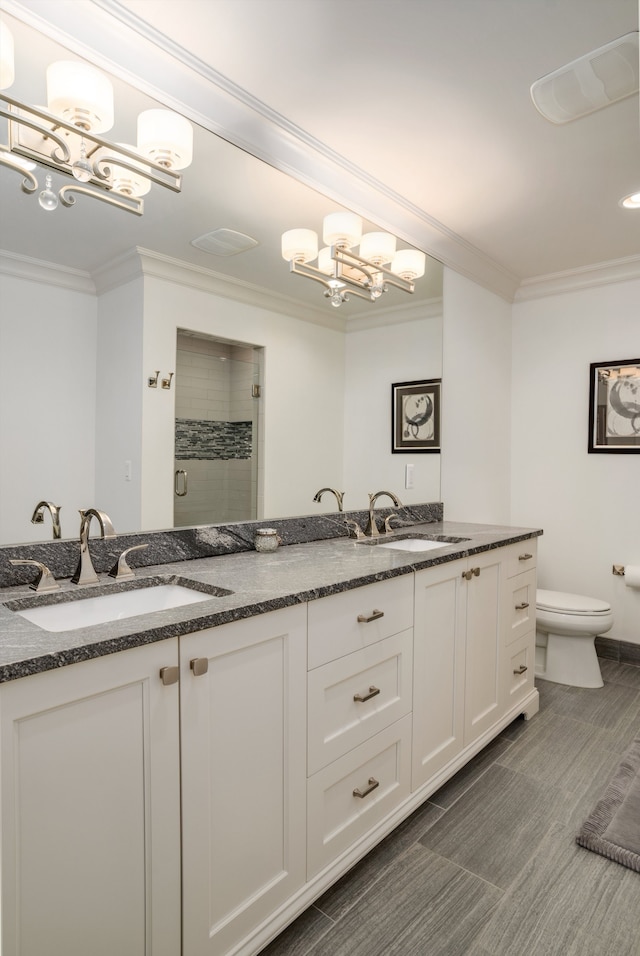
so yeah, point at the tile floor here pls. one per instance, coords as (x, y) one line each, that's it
(488, 866)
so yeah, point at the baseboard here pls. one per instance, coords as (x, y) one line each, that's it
(623, 652)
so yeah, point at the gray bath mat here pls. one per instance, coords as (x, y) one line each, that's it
(613, 829)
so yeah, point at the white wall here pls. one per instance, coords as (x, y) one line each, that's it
(587, 504)
(476, 407)
(303, 395)
(47, 414)
(120, 384)
(375, 360)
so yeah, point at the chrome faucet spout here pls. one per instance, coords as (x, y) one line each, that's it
(339, 496)
(371, 530)
(54, 510)
(85, 572)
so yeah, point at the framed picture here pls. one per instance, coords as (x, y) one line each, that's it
(415, 416)
(614, 407)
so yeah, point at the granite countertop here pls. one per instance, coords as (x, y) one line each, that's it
(259, 582)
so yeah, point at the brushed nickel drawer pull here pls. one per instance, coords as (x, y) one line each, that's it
(521, 607)
(169, 675)
(373, 783)
(521, 669)
(365, 619)
(373, 692)
(199, 666)
(524, 557)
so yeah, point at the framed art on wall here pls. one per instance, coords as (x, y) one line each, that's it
(415, 416)
(614, 406)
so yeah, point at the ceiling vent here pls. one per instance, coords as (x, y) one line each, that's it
(590, 83)
(224, 242)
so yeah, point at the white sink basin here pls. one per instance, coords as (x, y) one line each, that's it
(414, 544)
(111, 607)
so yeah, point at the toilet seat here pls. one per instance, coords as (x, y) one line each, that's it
(571, 604)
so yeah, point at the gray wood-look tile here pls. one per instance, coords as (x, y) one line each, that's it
(447, 795)
(347, 891)
(511, 822)
(559, 752)
(422, 905)
(566, 902)
(497, 825)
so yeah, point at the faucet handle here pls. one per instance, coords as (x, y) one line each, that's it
(121, 570)
(354, 529)
(45, 580)
(388, 528)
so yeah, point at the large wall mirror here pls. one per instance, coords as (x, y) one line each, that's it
(96, 301)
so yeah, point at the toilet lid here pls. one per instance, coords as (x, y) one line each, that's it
(569, 603)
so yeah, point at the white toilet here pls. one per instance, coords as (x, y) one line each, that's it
(566, 629)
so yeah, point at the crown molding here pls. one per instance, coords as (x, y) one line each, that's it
(413, 312)
(113, 38)
(140, 262)
(36, 270)
(586, 277)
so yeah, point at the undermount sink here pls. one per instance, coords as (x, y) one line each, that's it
(414, 544)
(85, 612)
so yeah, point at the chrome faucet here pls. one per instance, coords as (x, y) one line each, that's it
(54, 510)
(339, 496)
(85, 572)
(371, 531)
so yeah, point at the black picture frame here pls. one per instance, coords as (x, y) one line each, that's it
(415, 417)
(614, 407)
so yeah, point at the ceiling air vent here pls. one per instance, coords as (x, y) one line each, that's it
(590, 83)
(224, 242)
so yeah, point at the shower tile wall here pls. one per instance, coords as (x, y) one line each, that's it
(213, 396)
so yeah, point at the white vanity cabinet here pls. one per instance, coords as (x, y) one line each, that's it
(360, 700)
(243, 706)
(90, 808)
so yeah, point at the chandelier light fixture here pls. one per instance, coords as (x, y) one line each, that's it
(65, 137)
(342, 271)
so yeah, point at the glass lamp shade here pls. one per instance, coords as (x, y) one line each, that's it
(124, 180)
(166, 138)
(325, 263)
(7, 69)
(300, 245)
(408, 264)
(378, 247)
(342, 229)
(80, 95)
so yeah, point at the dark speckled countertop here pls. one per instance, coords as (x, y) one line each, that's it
(259, 583)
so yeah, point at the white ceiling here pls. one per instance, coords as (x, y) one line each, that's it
(426, 101)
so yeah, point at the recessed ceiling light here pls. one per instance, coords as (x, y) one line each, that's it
(631, 202)
(224, 242)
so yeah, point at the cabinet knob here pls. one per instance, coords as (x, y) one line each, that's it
(373, 692)
(476, 572)
(373, 783)
(169, 675)
(367, 618)
(524, 557)
(199, 666)
(521, 669)
(467, 575)
(522, 606)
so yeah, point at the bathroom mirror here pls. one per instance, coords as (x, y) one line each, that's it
(91, 300)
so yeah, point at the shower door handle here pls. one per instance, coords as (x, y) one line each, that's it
(180, 474)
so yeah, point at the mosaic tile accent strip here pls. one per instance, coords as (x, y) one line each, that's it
(212, 440)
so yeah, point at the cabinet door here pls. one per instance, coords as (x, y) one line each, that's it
(438, 668)
(243, 713)
(91, 808)
(482, 668)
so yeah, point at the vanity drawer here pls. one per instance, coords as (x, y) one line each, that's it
(346, 622)
(521, 557)
(347, 798)
(520, 612)
(354, 697)
(519, 666)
